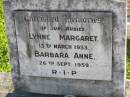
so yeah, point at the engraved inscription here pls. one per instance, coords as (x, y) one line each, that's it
(76, 45)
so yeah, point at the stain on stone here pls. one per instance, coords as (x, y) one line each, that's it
(29, 50)
(47, 4)
(70, 2)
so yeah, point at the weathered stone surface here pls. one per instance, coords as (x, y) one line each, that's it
(6, 78)
(113, 88)
(127, 88)
(6, 84)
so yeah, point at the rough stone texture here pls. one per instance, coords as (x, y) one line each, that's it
(127, 89)
(114, 88)
(6, 84)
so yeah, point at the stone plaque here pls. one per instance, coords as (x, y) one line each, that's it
(76, 45)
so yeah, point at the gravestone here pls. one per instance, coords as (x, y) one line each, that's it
(67, 47)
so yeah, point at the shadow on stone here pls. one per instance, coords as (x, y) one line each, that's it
(27, 94)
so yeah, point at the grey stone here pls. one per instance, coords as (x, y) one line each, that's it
(65, 86)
